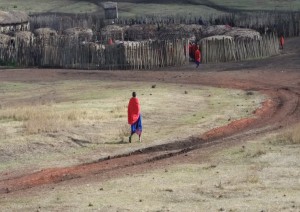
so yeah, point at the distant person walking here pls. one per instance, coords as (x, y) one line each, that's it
(134, 117)
(197, 56)
(281, 41)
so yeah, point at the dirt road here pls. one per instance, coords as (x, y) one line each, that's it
(277, 77)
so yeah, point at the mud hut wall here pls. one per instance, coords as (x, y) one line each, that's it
(223, 50)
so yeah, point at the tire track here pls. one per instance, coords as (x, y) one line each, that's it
(282, 103)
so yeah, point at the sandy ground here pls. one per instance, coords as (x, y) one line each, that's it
(277, 77)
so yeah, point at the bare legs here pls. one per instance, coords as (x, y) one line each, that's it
(140, 137)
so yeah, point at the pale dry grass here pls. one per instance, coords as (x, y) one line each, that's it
(266, 183)
(43, 118)
(124, 133)
(96, 112)
(288, 137)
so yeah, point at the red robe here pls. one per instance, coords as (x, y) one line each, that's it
(281, 41)
(197, 55)
(134, 110)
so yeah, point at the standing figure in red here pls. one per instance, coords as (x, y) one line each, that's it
(134, 117)
(197, 56)
(281, 40)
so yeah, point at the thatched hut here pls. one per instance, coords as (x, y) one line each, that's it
(6, 40)
(243, 33)
(13, 21)
(177, 31)
(139, 32)
(217, 37)
(113, 32)
(25, 36)
(235, 32)
(45, 32)
(82, 34)
(208, 31)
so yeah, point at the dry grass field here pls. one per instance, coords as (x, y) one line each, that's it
(76, 117)
(68, 122)
(256, 175)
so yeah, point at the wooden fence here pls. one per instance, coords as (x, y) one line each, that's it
(66, 52)
(224, 50)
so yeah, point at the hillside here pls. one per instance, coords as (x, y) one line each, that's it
(129, 8)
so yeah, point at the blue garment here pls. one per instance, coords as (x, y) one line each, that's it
(137, 127)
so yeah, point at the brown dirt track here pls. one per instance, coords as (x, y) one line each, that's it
(277, 77)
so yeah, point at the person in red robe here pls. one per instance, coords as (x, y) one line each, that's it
(197, 56)
(134, 117)
(281, 40)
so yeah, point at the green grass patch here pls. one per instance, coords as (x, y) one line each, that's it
(65, 6)
(140, 9)
(254, 4)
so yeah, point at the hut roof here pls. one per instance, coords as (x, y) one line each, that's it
(191, 27)
(141, 28)
(13, 17)
(82, 33)
(243, 33)
(215, 30)
(76, 31)
(111, 28)
(182, 27)
(44, 32)
(24, 35)
(217, 37)
(235, 32)
(4, 39)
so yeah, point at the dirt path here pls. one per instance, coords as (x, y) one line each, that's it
(272, 76)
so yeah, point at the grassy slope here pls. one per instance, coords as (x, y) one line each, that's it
(137, 7)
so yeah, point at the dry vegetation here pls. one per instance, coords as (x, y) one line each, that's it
(85, 120)
(289, 137)
(235, 179)
(82, 121)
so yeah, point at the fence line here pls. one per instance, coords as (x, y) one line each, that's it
(64, 52)
(224, 50)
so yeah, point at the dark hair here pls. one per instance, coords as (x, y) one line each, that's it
(133, 94)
